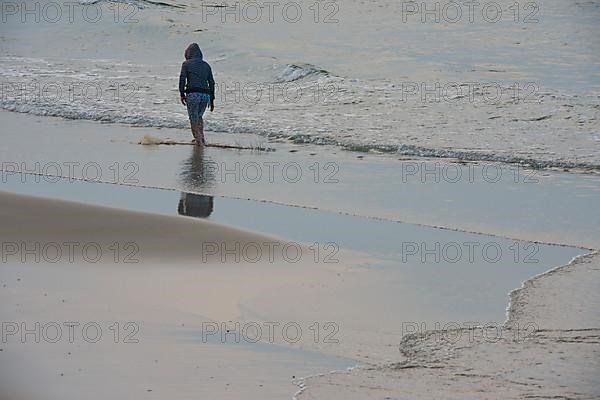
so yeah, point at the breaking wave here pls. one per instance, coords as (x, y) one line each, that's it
(294, 72)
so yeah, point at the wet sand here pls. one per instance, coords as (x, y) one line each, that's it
(176, 288)
(497, 199)
(549, 349)
(395, 279)
(148, 309)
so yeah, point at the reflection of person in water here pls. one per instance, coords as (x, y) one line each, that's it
(198, 171)
(196, 175)
(195, 205)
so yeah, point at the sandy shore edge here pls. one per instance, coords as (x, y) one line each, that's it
(549, 347)
(58, 226)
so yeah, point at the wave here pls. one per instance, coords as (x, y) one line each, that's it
(408, 150)
(294, 72)
(461, 155)
(136, 3)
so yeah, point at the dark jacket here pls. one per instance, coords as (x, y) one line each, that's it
(196, 75)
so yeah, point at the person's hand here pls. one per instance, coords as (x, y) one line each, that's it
(183, 101)
(212, 106)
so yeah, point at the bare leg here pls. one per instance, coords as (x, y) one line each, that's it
(200, 131)
(194, 131)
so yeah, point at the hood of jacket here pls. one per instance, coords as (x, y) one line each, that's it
(193, 51)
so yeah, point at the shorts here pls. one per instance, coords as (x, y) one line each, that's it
(196, 105)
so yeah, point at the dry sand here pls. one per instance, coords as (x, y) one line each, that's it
(154, 238)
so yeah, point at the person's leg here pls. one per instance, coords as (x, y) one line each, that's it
(202, 108)
(193, 110)
(194, 130)
(200, 132)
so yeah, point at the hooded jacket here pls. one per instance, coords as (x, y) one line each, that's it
(196, 75)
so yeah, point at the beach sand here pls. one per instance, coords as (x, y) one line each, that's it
(177, 291)
(168, 298)
(158, 239)
(161, 296)
(550, 348)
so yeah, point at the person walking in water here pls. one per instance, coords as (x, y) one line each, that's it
(197, 90)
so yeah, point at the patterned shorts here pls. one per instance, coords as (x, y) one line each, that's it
(196, 105)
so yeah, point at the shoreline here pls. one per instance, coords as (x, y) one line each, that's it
(301, 206)
(402, 197)
(403, 150)
(425, 351)
(518, 296)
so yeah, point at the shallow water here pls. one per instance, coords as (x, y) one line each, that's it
(422, 274)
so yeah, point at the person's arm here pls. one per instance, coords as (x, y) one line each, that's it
(211, 88)
(182, 79)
